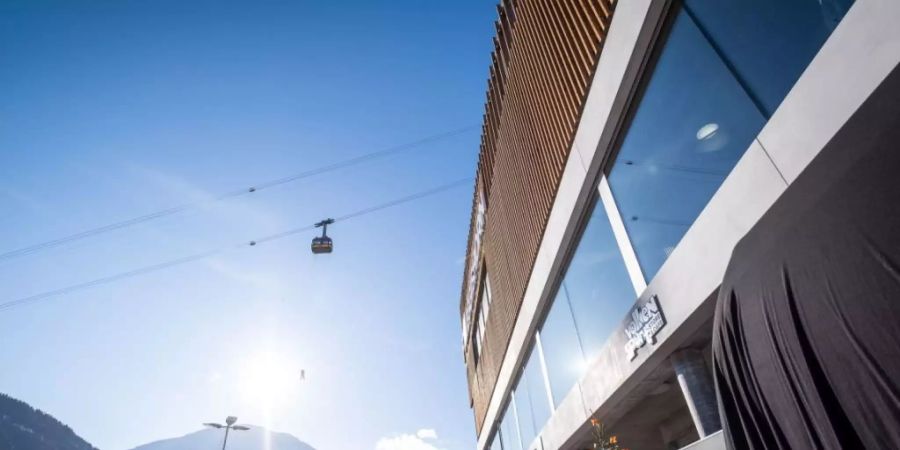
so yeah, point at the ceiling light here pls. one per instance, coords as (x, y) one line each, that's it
(707, 131)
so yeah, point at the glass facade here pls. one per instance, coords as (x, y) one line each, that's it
(509, 429)
(686, 135)
(711, 92)
(533, 378)
(786, 34)
(597, 284)
(532, 403)
(523, 412)
(723, 70)
(595, 294)
(562, 349)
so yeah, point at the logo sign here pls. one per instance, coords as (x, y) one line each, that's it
(474, 264)
(645, 322)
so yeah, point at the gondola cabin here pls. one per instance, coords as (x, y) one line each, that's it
(323, 243)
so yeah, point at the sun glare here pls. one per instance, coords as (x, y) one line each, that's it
(268, 380)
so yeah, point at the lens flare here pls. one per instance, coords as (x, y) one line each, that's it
(268, 380)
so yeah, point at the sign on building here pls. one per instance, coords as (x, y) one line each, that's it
(645, 321)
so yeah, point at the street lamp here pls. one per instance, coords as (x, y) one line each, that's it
(229, 425)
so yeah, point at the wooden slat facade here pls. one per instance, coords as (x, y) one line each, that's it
(545, 52)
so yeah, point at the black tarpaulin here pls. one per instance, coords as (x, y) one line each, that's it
(806, 343)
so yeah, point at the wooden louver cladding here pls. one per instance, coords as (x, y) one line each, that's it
(545, 52)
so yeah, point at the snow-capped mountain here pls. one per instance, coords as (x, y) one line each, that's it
(257, 438)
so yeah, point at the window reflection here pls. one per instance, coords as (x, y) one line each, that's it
(523, 412)
(562, 350)
(597, 284)
(767, 42)
(725, 68)
(537, 392)
(509, 429)
(692, 125)
(532, 404)
(594, 296)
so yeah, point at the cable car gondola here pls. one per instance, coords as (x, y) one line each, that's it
(323, 244)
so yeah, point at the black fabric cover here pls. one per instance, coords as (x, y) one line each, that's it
(806, 341)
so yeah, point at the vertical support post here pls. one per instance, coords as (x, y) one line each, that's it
(225, 441)
(698, 389)
(632, 265)
(546, 375)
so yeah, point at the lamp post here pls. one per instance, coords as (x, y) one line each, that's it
(229, 425)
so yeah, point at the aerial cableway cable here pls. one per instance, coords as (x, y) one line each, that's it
(231, 194)
(368, 210)
(209, 253)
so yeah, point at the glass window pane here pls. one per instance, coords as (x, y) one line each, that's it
(597, 284)
(523, 412)
(562, 351)
(537, 391)
(768, 42)
(509, 429)
(692, 125)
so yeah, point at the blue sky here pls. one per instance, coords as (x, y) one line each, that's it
(114, 109)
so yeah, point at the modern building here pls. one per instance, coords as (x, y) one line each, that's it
(627, 147)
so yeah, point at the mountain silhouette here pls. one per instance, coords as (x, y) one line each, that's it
(211, 439)
(25, 428)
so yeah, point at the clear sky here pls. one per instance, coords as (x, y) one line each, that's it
(114, 109)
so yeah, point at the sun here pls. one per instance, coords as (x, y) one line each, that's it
(268, 380)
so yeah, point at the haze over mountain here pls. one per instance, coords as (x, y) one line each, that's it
(257, 438)
(25, 428)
